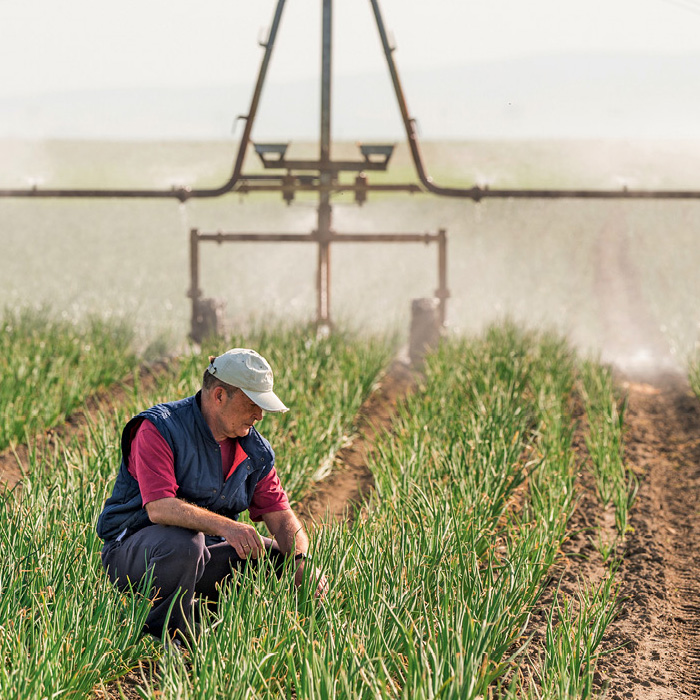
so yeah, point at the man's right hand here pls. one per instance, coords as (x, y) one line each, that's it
(245, 539)
(242, 537)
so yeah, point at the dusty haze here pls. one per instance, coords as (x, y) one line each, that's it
(619, 278)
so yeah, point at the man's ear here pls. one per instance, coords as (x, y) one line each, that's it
(212, 358)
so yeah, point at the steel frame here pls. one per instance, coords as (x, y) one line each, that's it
(442, 293)
(322, 175)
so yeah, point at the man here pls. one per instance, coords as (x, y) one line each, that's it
(188, 469)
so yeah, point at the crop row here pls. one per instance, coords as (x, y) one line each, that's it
(431, 592)
(48, 367)
(63, 630)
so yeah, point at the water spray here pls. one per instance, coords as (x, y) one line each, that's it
(323, 176)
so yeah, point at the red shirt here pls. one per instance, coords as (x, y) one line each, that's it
(151, 464)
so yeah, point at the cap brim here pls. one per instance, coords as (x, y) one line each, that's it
(267, 400)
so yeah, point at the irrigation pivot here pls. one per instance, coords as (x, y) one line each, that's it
(322, 175)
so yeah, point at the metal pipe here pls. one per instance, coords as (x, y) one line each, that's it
(332, 166)
(337, 188)
(323, 312)
(250, 117)
(442, 292)
(244, 185)
(219, 237)
(324, 232)
(326, 59)
(409, 124)
(477, 193)
(195, 293)
(181, 193)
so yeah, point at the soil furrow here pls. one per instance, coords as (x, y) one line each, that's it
(333, 498)
(14, 459)
(660, 611)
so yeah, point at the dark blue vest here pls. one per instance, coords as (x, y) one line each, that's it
(198, 469)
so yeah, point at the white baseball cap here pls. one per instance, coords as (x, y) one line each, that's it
(251, 373)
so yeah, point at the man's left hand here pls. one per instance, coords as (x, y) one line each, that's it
(315, 578)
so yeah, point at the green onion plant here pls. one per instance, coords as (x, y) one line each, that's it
(432, 584)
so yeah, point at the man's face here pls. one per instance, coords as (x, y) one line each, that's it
(236, 414)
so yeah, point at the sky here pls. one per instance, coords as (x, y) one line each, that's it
(48, 47)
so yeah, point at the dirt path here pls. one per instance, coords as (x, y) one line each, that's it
(658, 629)
(351, 480)
(660, 620)
(14, 460)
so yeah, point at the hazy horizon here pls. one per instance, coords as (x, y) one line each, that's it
(622, 69)
(575, 96)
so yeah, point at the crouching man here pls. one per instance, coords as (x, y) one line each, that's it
(188, 469)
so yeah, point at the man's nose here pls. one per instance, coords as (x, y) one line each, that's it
(258, 413)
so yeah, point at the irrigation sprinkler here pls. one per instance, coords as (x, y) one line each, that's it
(322, 175)
(207, 312)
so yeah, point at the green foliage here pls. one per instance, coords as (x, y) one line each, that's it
(48, 367)
(432, 585)
(63, 627)
(615, 483)
(574, 633)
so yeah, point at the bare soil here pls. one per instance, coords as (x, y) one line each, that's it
(347, 486)
(653, 646)
(15, 459)
(657, 630)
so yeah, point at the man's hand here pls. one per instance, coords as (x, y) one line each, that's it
(173, 511)
(315, 578)
(289, 533)
(245, 540)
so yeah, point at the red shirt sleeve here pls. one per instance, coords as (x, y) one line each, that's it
(151, 464)
(268, 497)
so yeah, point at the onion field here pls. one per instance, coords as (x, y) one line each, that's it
(444, 584)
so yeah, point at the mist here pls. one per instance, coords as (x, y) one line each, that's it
(617, 278)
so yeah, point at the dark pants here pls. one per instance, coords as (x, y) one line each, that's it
(184, 564)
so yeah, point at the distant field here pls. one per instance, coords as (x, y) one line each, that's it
(620, 277)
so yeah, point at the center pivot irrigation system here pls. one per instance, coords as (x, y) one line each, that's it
(290, 176)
